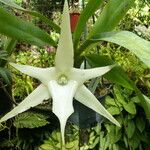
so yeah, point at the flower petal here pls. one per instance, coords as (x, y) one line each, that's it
(35, 98)
(64, 55)
(62, 96)
(82, 75)
(43, 74)
(84, 96)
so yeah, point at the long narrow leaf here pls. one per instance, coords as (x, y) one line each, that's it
(21, 30)
(129, 40)
(111, 15)
(114, 11)
(33, 13)
(88, 11)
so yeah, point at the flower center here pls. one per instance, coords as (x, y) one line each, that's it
(62, 80)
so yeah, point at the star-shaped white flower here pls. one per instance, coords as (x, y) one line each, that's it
(62, 82)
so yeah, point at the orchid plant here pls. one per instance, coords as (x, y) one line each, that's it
(62, 83)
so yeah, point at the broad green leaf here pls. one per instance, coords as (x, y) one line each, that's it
(135, 141)
(117, 74)
(130, 128)
(88, 11)
(5, 75)
(114, 110)
(114, 133)
(113, 12)
(144, 101)
(30, 120)
(135, 99)
(129, 40)
(130, 108)
(11, 3)
(119, 97)
(110, 101)
(111, 16)
(147, 100)
(21, 30)
(147, 103)
(140, 123)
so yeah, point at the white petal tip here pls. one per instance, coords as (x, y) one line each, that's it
(118, 124)
(12, 64)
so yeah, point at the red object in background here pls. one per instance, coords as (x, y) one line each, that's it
(73, 20)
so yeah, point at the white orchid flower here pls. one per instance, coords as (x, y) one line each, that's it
(62, 82)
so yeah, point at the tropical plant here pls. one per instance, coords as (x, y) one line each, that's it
(102, 30)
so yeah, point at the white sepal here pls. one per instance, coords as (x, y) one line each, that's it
(42, 74)
(82, 75)
(34, 99)
(62, 106)
(84, 96)
(64, 56)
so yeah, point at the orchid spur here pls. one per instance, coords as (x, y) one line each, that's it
(62, 83)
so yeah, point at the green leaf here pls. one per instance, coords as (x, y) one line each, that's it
(144, 101)
(119, 97)
(130, 128)
(114, 133)
(140, 123)
(33, 13)
(114, 110)
(147, 100)
(129, 40)
(10, 45)
(116, 147)
(113, 12)
(130, 108)
(88, 11)
(135, 142)
(30, 120)
(3, 55)
(121, 78)
(135, 99)
(110, 101)
(5, 75)
(21, 30)
(117, 74)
